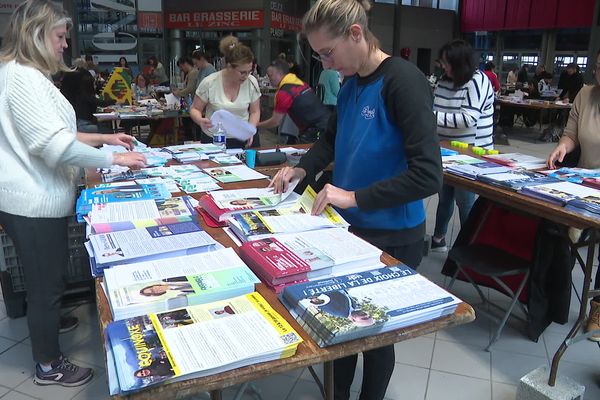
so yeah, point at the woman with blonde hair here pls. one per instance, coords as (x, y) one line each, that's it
(233, 89)
(40, 149)
(384, 109)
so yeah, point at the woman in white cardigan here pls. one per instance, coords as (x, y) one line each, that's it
(40, 153)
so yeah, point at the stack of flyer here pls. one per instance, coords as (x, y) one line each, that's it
(223, 204)
(587, 177)
(119, 192)
(161, 241)
(110, 217)
(234, 173)
(476, 169)
(198, 341)
(517, 160)
(293, 258)
(352, 306)
(577, 198)
(161, 285)
(517, 179)
(254, 225)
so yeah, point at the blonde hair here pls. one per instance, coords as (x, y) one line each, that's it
(79, 63)
(336, 16)
(235, 53)
(27, 38)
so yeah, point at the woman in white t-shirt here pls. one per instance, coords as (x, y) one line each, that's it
(233, 89)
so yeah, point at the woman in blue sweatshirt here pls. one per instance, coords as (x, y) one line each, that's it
(387, 158)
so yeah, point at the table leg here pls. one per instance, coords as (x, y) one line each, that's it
(328, 379)
(216, 394)
(582, 309)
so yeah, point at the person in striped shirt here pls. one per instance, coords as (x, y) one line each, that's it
(464, 109)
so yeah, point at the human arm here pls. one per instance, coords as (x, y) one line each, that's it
(190, 84)
(196, 112)
(315, 160)
(569, 140)
(272, 122)
(475, 96)
(98, 139)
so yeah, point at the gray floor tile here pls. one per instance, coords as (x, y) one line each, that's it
(446, 386)
(6, 344)
(458, 358)
(475, 334)
(15, 329)
(407, 382)
(510, 367)
(17, 396)
(584, 352)
(16, 365)
(502, 391)
(89, 350)
(416, 352)
(55, 392)
(87, 313)
(2, 310)
(273, 387)
(97, 389)
(3, 390)
(584, 375)
(356, 382)
(514, 339)
(303, 390)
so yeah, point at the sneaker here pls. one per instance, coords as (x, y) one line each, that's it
(67, 323)
(439, 246)
(63, 373)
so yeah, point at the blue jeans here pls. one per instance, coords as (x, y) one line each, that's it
(445, 209)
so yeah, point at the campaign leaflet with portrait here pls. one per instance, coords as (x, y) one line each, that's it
(159, 285)
(162, 241)
(112, 217)
(360, 304)
(198, 341)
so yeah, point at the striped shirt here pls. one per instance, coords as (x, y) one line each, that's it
(466, 113)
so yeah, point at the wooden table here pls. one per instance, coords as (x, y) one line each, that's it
(551, 212)
(539, 105)
(308, 352)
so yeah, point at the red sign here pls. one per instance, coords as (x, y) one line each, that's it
(150, 21)
(286, 22)
(217, 19)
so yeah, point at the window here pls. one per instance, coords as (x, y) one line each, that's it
(529, 59)
(582, 63)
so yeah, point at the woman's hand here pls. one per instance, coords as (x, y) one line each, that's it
(335, 196)
(284, 176)
(131, 159)
(558, 154)
(120, 139)
(206, 124)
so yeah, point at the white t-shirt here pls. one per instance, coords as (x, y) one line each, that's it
(211, 91)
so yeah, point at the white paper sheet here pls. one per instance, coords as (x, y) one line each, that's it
(235, 127)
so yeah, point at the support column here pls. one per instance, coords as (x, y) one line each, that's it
(549, 50)
(396, 46)
(594, 45)
(264, 56)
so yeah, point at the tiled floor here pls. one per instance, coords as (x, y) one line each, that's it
(450, 364)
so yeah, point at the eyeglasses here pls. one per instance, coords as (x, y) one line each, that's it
(327, 57)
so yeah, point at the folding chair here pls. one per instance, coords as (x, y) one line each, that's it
(496, 264)
(497, 251)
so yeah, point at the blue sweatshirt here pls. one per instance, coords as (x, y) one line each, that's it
(386, 150)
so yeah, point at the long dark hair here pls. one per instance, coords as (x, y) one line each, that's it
(459, 55)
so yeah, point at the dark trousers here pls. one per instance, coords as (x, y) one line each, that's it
(379, 363)
(41, 245)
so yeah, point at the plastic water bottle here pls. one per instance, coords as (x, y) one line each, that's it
(136, 92)
(219, 137)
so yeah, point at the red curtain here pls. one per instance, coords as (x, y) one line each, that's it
(493, 19)
(575, 13)
(471, 15)
(517, 14)
(543, 14)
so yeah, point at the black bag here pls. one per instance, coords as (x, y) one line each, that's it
(551, 134)
(272, 158)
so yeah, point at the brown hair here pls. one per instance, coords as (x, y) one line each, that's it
(235, 53)
(337, 16)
